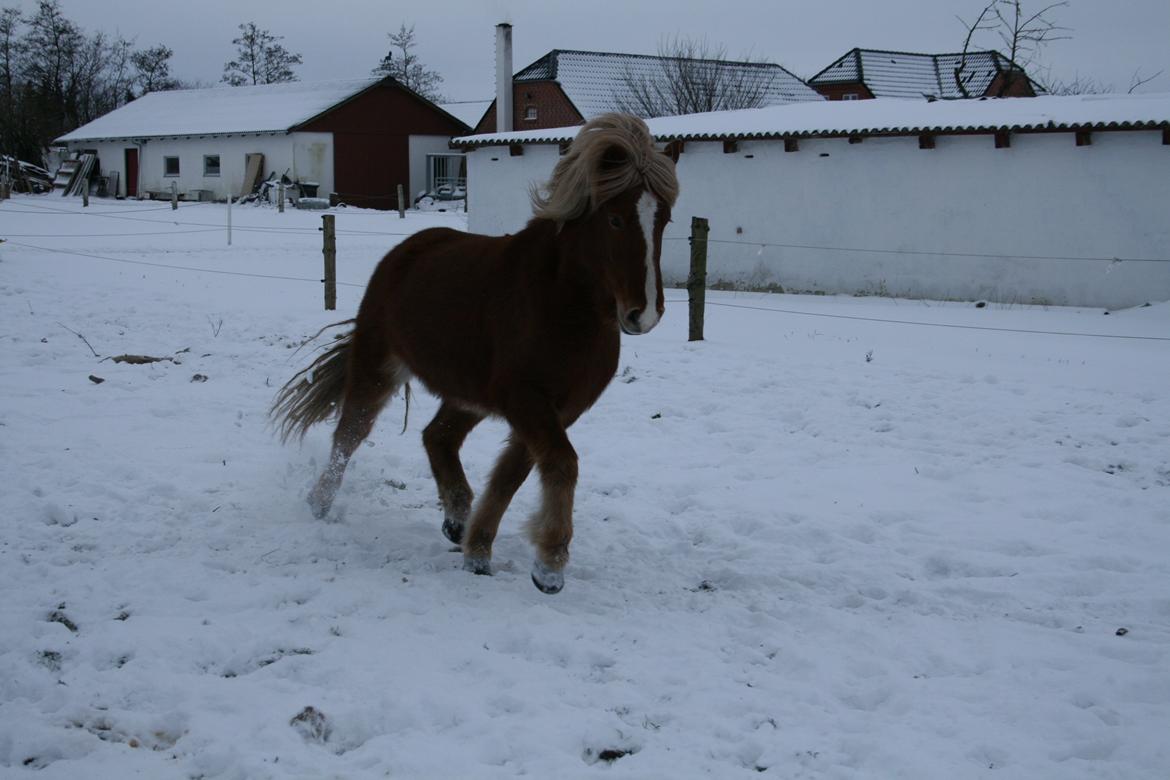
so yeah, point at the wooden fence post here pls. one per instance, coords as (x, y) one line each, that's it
(697, 281)
(330, 252)
(85, 194)
(280, 197)
(401, 204)
(174, 196)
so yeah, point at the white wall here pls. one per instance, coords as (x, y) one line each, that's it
(1042, 197)
(498, 186)
(307, 156)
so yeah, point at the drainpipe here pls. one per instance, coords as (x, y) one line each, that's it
(503, 77)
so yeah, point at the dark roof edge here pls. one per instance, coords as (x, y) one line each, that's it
(864, 133)
(163, 136)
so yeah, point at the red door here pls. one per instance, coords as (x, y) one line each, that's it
(131, 173)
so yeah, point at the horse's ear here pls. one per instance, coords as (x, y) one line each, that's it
(673, 150)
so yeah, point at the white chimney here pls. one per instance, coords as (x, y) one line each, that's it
(503, 77)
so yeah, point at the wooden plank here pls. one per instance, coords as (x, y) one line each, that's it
(253, 166)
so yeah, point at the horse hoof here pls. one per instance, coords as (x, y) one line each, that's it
(453, 530)
(547, 580)
(478, 565)
(319, 506)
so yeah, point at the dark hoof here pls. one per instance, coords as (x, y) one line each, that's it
(319, 506)
(453, 530)
(478, 565)
(547, 580)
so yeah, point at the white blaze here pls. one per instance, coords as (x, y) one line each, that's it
(647, 208)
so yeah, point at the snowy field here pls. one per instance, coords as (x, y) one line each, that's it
(824, 543)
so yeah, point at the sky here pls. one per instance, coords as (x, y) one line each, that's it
(1109, 40)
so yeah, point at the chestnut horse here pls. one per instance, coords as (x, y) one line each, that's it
(524, 327)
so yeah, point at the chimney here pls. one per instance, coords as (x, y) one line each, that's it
(503, 77)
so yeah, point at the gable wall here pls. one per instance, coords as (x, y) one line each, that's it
(372, 146)
(553, 108)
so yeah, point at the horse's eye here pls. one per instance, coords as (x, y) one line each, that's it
(615, 221)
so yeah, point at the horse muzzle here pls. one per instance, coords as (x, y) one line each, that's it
(635, 322)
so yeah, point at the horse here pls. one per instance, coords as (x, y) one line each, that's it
(524, 327)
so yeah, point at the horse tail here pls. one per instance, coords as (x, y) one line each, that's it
(313, 394)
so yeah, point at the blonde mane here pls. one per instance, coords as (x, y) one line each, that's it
(610, 155)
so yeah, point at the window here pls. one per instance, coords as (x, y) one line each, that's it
(849, 96)
(530, 113)
(211, 165)
(170, 166)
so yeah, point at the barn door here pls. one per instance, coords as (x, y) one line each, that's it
(131, 173)
(368, 168)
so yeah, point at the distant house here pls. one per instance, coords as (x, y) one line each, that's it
(355, 139)
(567, 87)
(863, 74)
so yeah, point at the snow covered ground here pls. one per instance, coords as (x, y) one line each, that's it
(816, 545)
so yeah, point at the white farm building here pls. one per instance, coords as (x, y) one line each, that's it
(356, 139)
(1057, 200)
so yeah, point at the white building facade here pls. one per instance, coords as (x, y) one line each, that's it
(1057, 201)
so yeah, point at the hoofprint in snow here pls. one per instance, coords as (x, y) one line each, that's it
(815, 545)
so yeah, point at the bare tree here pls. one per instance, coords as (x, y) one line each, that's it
(1138, 80)
(406, 68)
(1022, 33)
(693, 77)
(1084, 85)
(261, 59)
(152, 69)
(54, 76)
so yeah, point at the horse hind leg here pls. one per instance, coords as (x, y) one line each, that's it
(371, 384)
(442, 439)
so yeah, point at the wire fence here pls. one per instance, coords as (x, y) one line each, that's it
(186, 223)
(203, 227)
(922, 252)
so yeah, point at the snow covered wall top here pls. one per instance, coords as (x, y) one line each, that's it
(270, 108)
(889, 116)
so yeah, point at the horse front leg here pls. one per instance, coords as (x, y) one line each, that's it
(551, 528)
(509, 473)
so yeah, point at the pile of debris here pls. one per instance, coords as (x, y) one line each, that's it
(24, 176)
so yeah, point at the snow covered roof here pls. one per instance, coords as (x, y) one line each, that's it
(888, 116)
(900, 74)
(269, 108)
(597, 82)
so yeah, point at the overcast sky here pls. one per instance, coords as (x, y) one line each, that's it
(1109, 39)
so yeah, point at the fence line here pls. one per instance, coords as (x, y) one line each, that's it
(927, 253)
(815, 247)
(174, 267)
(927, 324)
(671, 300)
(113, 235)
(275, 230)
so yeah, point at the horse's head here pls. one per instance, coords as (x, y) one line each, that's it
(632, 225)
(618, 189)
